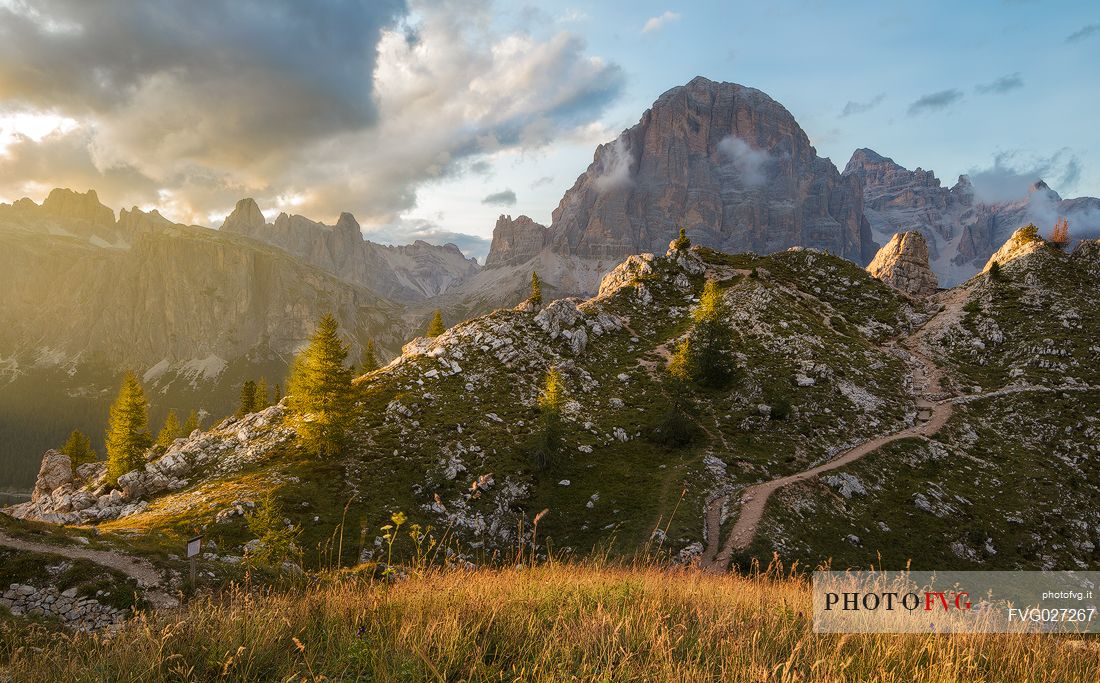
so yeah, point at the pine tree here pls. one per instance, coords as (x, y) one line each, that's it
(435, 327)
(79, 449)
(370, 358)
(262, 399)
(995, 271)
(551, 400)
(536, 289)
(127, 429)
(170, 431)
(277, 394)
(191, 424)
(681, 243)
(248, 399)
(320, 390)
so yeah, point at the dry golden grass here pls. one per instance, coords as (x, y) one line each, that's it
(557, 622)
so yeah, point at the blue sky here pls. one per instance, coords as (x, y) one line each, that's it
(429, 118)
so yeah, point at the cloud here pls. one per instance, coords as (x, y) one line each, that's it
(613, 167)
(860, 107)
(348, 105)
(934, 101)
(1013, 172)
(1083, 33)
(542, 182)
(751, 166)
(660, 21)
(502, 198)
(1001, 85)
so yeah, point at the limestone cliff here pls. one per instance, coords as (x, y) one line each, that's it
(406, 273)
(726, 162)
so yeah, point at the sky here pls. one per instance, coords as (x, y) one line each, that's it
(429, 119)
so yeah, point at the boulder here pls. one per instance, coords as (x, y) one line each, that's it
(903, 264)
(56, 470)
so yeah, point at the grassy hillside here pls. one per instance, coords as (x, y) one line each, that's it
(546, 623)
(810, 333)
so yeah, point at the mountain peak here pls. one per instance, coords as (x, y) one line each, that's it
(246, 216)
(66, 204)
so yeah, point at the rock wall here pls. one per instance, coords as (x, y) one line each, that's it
(724, 161)
(76, 612)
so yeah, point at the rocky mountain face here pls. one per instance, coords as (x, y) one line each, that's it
(404, 273)
(194, 311)
(903, 264)
(961, 229)
(726, 162)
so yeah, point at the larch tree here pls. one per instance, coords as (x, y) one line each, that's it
(191, 424)
(262, 396)
(1060, 236)
(704, 357)
(435, 327)
(536, 289)
(550, 402)
(170, 431)
(248, 399)
(127, 429)
(79, 449)
(320, 391)
(369, 362)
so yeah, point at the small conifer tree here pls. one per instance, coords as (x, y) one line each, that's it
(551, 400)
(170, 431)
(703, 357)
(191, 424)
(248, 399)
(277, 538)
(536, 289)
(1060, 236)
(995, 271)
(320, 390)
(435, 327)
(681, 243)
(127, 429)
(79, 449)
(262, 397)
(370, 358)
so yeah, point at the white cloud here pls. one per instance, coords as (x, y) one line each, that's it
(750, 164)
(615, 167)
(660, 21)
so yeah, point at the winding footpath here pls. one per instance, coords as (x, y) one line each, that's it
(148, 578)
(934, 409)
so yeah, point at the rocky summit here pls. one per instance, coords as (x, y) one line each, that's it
(903, 264)
(724, 161)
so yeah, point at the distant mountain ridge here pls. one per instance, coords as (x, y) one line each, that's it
(404, 273)
(962, 231)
